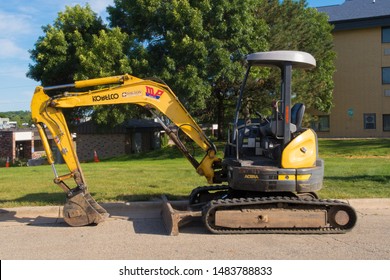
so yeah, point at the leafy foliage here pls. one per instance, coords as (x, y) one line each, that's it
(79, 46)
(20, 117)
(293, 26)
(56, 53)
(197, 47)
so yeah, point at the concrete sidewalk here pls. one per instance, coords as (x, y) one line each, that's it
(128, 210)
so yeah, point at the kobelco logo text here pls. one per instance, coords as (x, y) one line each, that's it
(111, 96)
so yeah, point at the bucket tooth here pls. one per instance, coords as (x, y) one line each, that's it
(96, 205)
(81, 210)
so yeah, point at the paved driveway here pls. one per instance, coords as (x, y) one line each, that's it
(136, 231)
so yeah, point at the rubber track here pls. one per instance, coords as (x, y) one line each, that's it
(314, 204)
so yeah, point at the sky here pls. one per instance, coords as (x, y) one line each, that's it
(21, 24)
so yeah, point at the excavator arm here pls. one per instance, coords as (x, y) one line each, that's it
(81, 209)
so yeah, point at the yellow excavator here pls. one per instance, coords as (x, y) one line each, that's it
(265, 183)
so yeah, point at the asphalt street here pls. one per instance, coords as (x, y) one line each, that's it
(135, 231)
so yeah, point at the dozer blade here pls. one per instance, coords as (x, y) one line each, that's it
(81, 210)
(174, 218)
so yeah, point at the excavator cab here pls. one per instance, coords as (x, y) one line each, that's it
(271, 167)
(275, 154)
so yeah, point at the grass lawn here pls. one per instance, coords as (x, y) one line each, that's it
(353, 169)
(356, 168)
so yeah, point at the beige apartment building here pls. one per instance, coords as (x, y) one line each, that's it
(362, 78)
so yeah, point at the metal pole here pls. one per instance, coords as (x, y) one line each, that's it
(286, 96)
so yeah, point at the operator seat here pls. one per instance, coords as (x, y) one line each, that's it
(297, 112)
(274, 127)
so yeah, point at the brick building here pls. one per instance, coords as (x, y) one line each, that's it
(133, 136)
(16, 144)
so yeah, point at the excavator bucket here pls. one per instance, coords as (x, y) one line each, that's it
(81, 210)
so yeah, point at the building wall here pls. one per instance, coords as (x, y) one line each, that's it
(16, 144)
(7, 145)
(106, 145)
(358, 84)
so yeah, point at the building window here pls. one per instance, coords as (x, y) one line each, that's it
(385, 34)
(369, 121)
(320, 123)
(385, 75)
(386, 122)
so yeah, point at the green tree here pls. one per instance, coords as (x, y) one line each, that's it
(294, 26)
(79, 46)
(20, 117)
(197, 47)
(55, 53)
